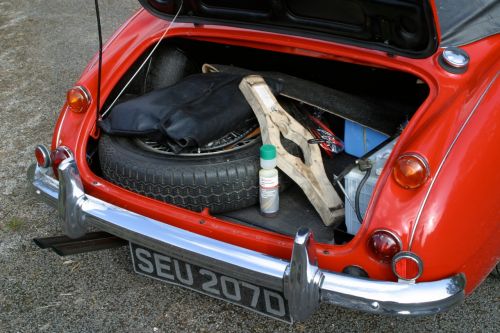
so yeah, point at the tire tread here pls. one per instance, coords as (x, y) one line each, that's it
(220, 186)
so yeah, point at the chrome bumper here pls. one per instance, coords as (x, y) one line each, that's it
(303, 283)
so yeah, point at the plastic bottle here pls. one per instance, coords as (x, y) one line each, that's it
(268, 181)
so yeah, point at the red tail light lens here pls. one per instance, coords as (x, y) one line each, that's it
(78, 99)
(58, 155)
(384, 244)
(407, 266)
(42, 156)
(411, 171)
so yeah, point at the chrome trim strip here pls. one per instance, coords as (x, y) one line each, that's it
(64, 112)
(303, 283)
(438, 171)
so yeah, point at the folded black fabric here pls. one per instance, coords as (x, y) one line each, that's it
(193, 112)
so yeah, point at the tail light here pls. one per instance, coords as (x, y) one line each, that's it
(78, 99)
(42, 155)
(411, 171)
(407, 266)
(58, 155)
(384, 244)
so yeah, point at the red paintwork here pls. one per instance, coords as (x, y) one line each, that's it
(466, 195)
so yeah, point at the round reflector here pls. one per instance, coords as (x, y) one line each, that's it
(78, 99)
(58, 155)
(42, 156)
(411, 171)
(407, 266)
(384, 244)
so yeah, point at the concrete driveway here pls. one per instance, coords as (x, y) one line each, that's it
(44, 45)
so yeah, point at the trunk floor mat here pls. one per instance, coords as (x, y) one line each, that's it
(295, 210)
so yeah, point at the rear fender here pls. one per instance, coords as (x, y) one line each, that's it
(458, 227)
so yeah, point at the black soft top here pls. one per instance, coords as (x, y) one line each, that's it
(465, 21)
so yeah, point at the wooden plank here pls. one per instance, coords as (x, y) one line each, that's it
(309, 175)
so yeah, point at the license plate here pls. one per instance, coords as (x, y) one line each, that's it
(174, 271)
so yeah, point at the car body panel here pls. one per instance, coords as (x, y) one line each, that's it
(470, 165)
(430, 133)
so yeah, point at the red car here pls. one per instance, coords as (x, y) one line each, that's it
(411, 90)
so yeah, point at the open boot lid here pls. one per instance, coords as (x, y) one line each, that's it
(402, 27)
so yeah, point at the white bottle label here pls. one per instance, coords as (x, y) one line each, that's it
(269, 182)
(269, 194)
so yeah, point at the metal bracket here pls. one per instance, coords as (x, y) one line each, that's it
(309, 175)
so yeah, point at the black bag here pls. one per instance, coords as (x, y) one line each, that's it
(193, 112)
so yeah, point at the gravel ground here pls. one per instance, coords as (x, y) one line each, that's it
(44, 46)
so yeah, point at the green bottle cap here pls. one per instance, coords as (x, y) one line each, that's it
(268, 152)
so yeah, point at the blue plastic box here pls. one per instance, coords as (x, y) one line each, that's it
(359, 140)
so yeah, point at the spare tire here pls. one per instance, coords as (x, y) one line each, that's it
(168, 66)
(221, 181)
